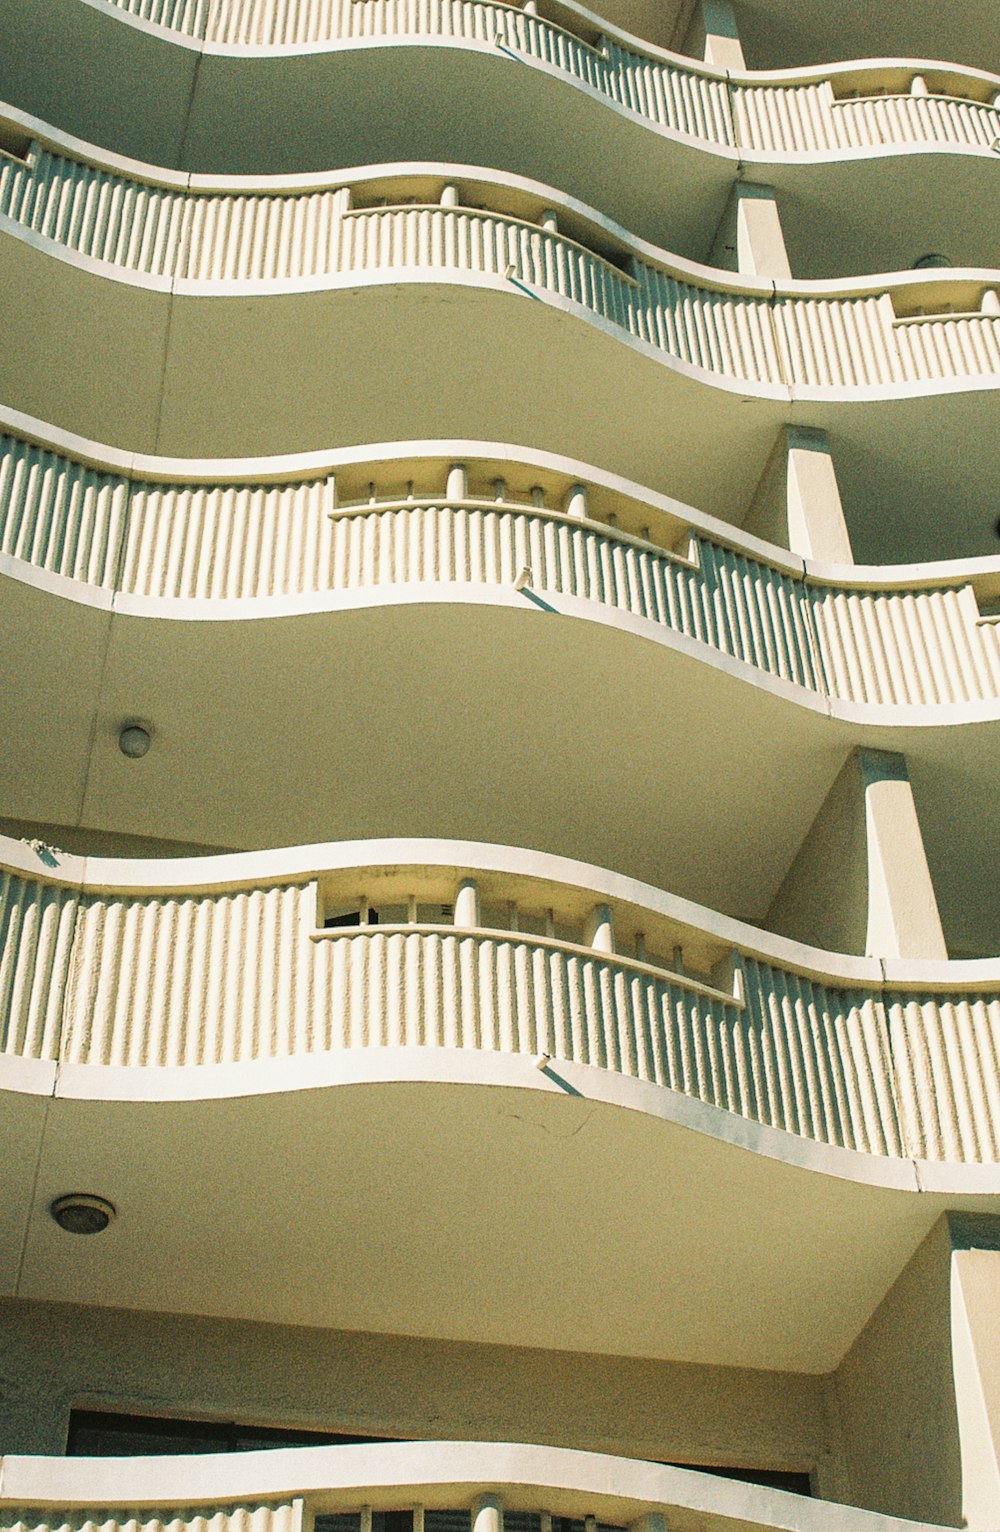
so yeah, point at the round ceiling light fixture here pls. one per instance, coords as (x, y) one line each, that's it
(82, 1213)
(134, 740)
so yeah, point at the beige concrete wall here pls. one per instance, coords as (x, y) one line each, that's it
(895, 1388)
(55, 1356)
(824, 897)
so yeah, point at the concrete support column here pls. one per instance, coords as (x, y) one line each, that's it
(713, 35)
(457, 486)
(549, 221)
(903, 919)
(600, 931)
(467, 904)
(860, 882)
(449, 195)
(575, 503)
(749, 238)
(797, 502)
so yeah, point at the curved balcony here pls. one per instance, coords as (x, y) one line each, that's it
(315, 953)
(152, 1008)
(235, 590)
(268, 293)
(442, 1483)
(883, 638)
(839, 144)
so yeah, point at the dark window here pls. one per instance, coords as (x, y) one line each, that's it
(93, 1433)
(521, 1521)
(448, 1521)
(353, 918)
(392, 1521)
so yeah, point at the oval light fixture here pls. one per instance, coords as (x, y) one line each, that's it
(134, 740)
(82, 1213)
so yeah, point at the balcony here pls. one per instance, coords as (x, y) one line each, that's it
(248, 960)
(840, 144)
(688, 347)
(877, 638)
(440, 1486)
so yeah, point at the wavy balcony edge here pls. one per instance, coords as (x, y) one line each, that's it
(214, 548)
(801, 137)
(591, 31)
(858, 347)
(89, 200)
(388, 955)
(307, 1481)
(823, 349)
(70, 451)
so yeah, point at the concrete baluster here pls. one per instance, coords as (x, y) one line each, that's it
(457, 486)
(575, 503)
(487, 1514)
(467, 905)
(600, 931)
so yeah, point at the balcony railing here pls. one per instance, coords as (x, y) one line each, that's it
(922, 643)
(846, 108)
(852, 338)
(261, 956)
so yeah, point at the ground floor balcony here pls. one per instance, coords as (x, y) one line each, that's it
(406, 1487)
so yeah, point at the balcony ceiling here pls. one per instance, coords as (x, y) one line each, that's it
(784, 33)
(420, 1202)
(333, 724)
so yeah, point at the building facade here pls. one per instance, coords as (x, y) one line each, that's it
(499, 922)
